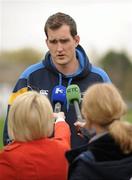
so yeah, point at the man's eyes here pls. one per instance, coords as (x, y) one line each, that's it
(53, 41)
(63, 41)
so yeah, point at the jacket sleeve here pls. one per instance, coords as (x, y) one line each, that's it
(104, 76)
(21, 87)
(62, 132)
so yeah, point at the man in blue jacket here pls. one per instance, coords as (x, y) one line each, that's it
(65, 63)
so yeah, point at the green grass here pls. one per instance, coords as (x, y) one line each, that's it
(1, 132)
(129, 116)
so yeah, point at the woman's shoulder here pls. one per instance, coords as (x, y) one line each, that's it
(86, 156)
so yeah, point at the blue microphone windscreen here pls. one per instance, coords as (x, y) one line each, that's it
(59, 94)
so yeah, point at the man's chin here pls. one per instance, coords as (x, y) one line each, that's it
(62, 62)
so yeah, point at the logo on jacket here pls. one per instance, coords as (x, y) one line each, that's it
(44, 92)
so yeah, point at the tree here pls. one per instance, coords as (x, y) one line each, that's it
(12, 63)
(119, 68)
(21, 56)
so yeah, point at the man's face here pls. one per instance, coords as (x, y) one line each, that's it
(62, 45)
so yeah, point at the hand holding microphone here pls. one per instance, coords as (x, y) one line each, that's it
(60, 116)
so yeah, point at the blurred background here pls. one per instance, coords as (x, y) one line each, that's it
(104, 27)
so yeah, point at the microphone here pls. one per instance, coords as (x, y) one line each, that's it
(58, 97)
(73, 95)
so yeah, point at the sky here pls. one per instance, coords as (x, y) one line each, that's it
(102, 24)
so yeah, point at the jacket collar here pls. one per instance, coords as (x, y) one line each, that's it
(82, 58)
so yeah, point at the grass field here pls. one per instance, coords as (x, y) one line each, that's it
(1, 132)
(128, 117)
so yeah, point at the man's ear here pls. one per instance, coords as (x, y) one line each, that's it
(77, 40)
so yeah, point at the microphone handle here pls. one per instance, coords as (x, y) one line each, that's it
(82, 130)
(78, 113)
(57, 107)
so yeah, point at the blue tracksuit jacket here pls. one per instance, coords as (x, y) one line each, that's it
(43, 77)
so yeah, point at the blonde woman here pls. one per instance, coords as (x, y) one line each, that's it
(39, 142)
(108, 155)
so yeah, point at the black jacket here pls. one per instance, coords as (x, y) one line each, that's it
(101, 159)
(43, 77)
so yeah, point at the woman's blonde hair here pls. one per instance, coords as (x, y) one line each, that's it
(30, 117)
(103, 105)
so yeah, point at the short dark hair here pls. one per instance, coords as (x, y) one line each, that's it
(55, 21)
